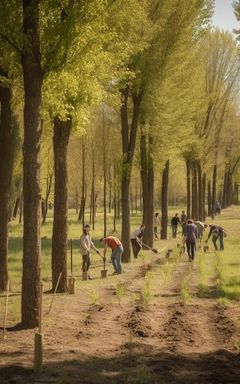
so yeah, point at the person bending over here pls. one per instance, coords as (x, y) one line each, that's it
(216, 232)
(117, 249)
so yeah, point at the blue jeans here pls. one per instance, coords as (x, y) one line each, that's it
(116, 259)
(220, 236)
(174, 231)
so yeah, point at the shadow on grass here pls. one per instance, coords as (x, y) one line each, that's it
(220, 367)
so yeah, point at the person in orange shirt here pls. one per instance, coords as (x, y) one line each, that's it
(117, 249)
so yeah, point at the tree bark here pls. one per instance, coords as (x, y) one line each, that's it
(194, 192)
(147, 176)
(209, 199)
(81, 216)
(62, 130)
(129, 135)
(214, 188)
(45, 201)
(164, 201)
(32, 79)
(200, 191)
(7, 150)
(188, 165)
(204, 195)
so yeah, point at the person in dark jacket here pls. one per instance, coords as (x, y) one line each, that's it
(216, 232)
(191, 233)
(174, 225)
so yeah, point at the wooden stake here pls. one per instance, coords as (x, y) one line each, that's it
(5, 313)
(55, 290)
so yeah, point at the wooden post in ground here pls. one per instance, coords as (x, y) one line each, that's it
(6, 311)
(38, 341)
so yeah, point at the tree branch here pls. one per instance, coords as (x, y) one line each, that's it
(14, 45)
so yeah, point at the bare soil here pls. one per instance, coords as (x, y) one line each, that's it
(90, 338)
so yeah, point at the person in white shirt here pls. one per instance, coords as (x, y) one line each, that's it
(136, 240)
(85, 248)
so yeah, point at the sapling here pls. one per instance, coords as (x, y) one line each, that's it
(120, 292)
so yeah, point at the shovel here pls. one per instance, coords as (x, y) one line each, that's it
(104, 270)
(154, 250)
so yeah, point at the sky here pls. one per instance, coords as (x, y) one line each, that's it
(224, 17)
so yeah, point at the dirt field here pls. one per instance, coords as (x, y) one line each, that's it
(140, 327)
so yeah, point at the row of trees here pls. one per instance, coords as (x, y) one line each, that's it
(128, 94)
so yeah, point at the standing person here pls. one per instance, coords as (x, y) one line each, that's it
(136, 239)
(218, 208)
(201, 228)
(85, 248)
(191, 233)
(174, 225)
(216, 232)
(117, 249)
(183, 217)
(156, 223)
(183, 221)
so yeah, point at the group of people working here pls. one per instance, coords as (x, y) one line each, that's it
(192, 231)
(112, 242)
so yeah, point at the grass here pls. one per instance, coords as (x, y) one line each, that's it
(227, 262)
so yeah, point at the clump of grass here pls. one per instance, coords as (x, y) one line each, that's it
(145, 293)
(167, 272)
(223, 301)
(94, 295)
(120, 292)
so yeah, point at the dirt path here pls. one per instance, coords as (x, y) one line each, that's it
(147, 335)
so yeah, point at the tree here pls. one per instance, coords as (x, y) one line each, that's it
(8, 128)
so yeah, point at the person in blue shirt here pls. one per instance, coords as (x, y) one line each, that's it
(191, 234)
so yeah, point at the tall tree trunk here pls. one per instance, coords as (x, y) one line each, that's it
(188, 166)
(62, 130)
(81, 216)
(224, 193)
(129, 135)
(48, 191)
(104, 197)
(209, 199)
(32, 79)
(7, 149)
(214, 188)
(110, 197)
(164, 202)
(21, 209)
(136, 197)
(16, 207)
(229, 189)
(200, 191)
(147, 176)
(204, 195)
(194, 192)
